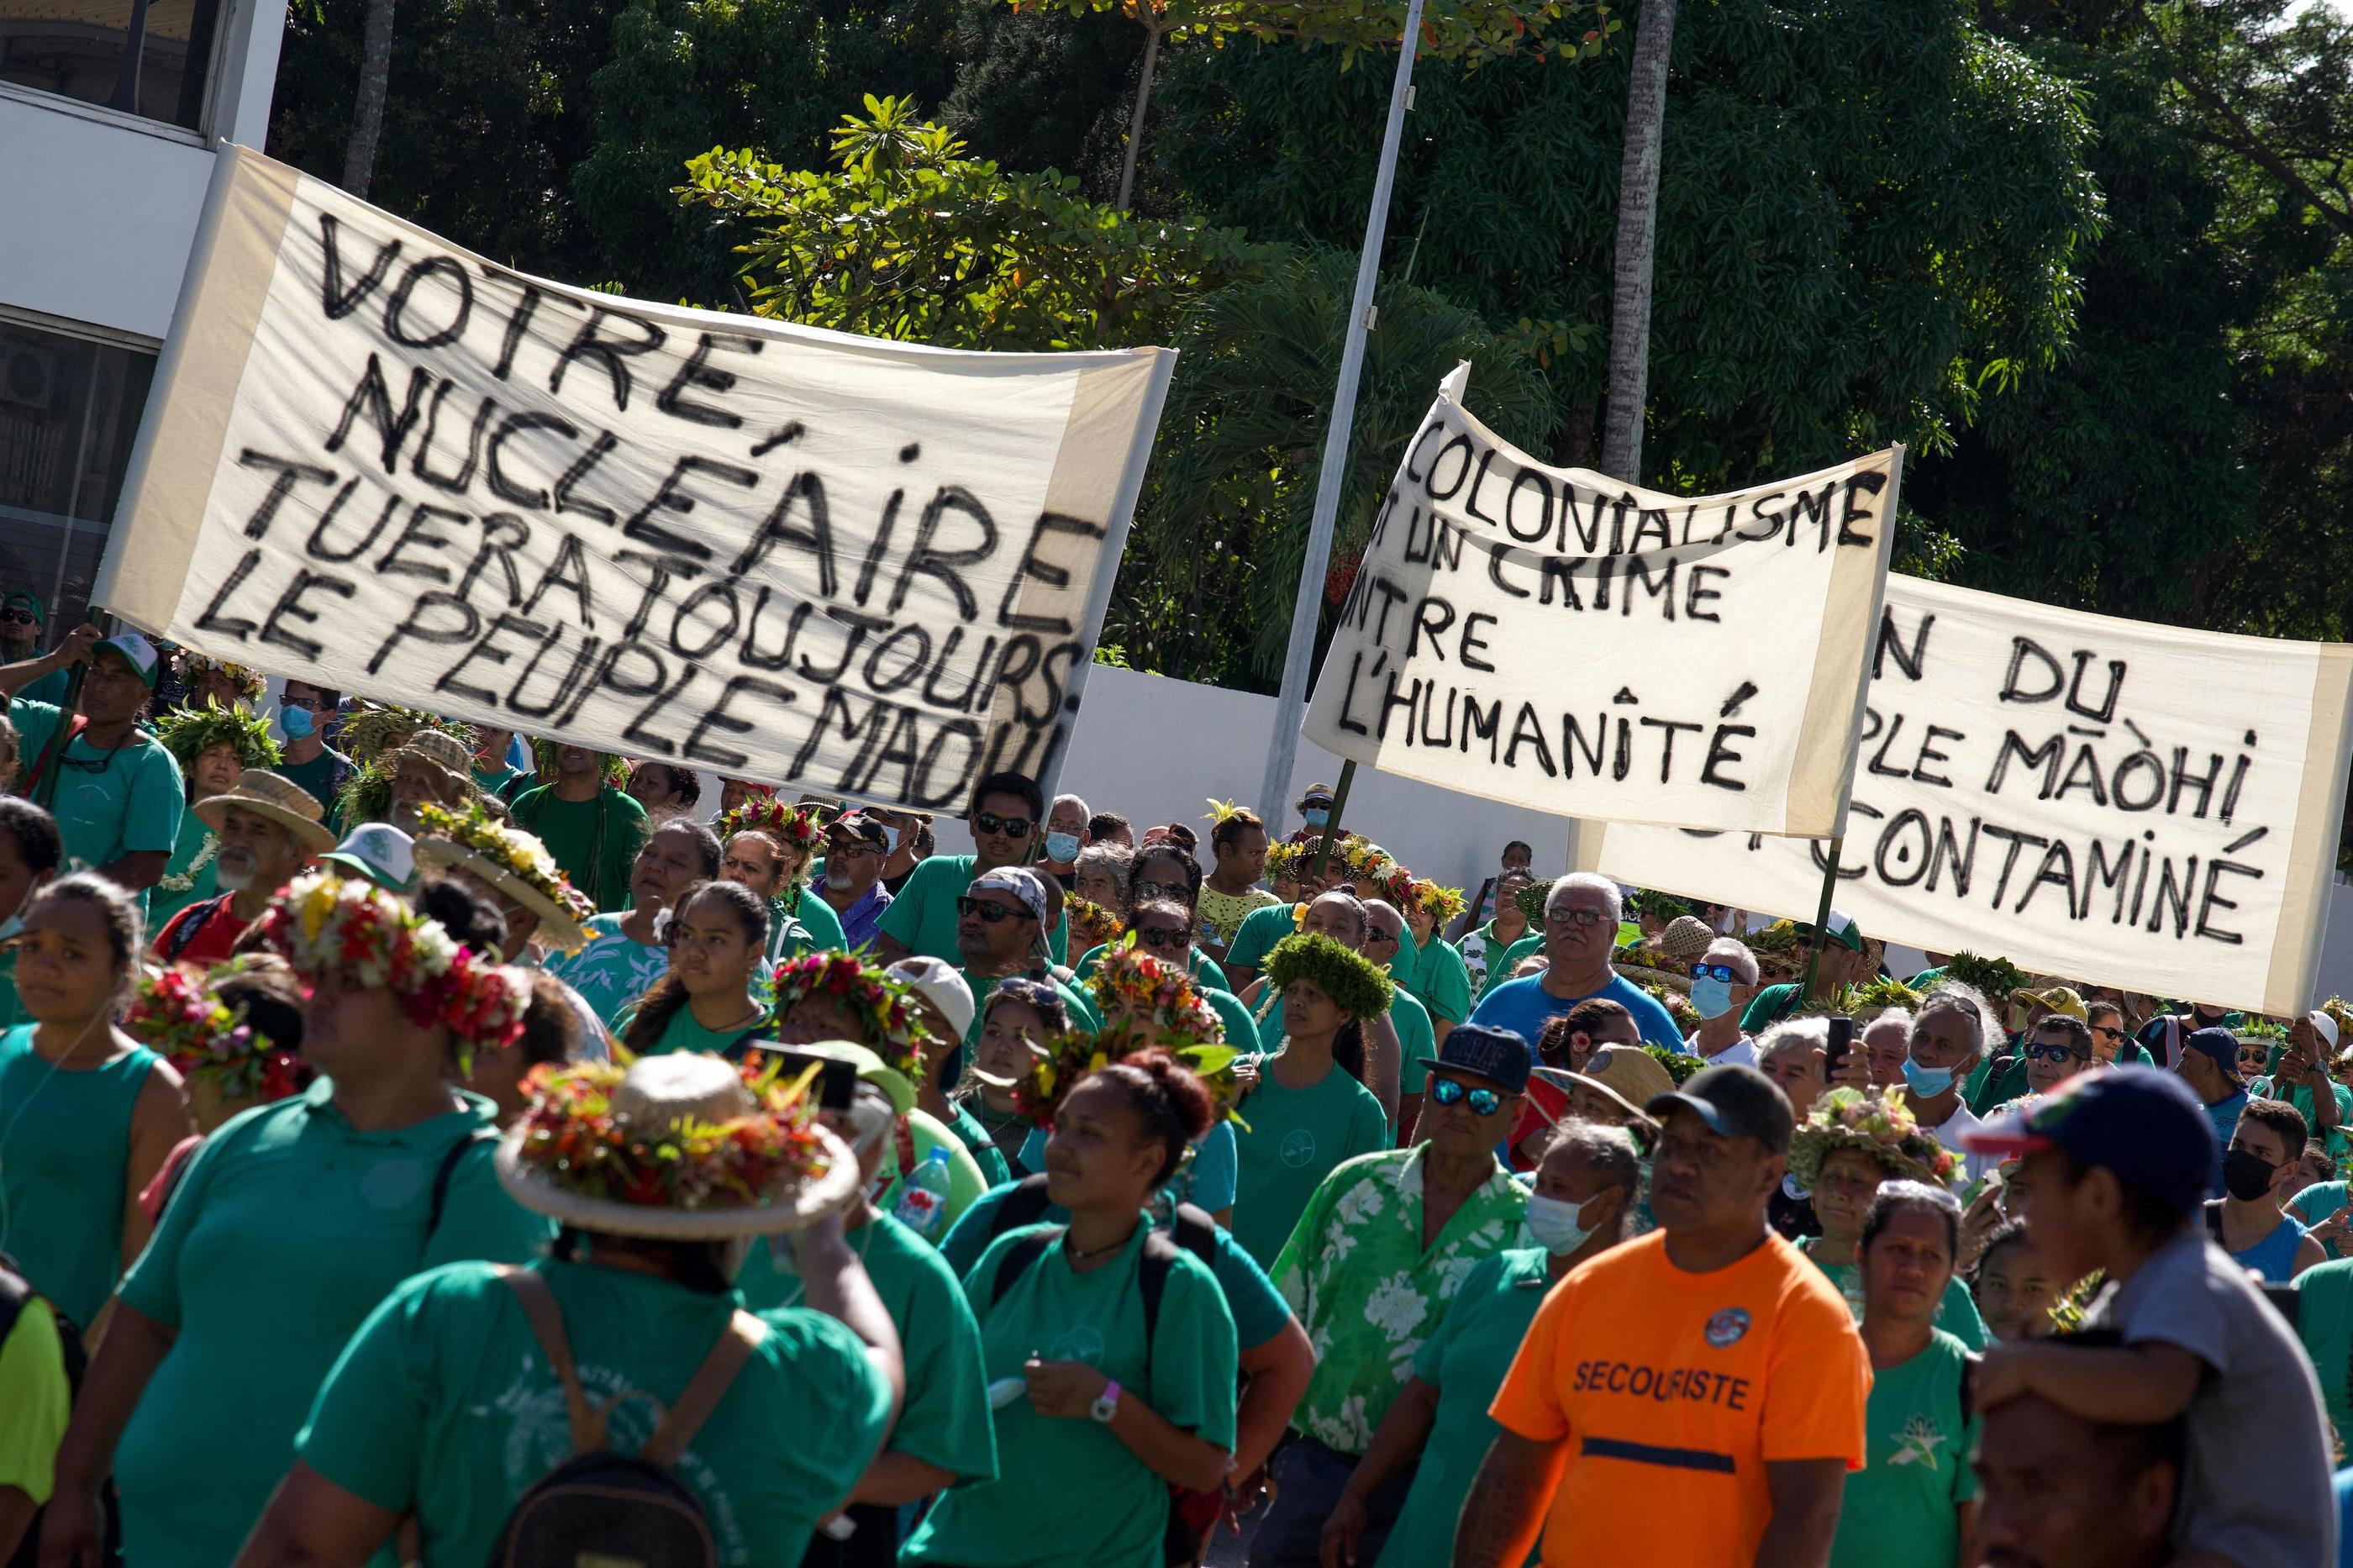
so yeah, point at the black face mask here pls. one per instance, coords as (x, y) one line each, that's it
(2246, 1176)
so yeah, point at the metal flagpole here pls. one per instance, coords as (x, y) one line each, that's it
(1292, 704)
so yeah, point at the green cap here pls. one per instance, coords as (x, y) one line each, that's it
(1840, 929)
(137, 652)
(25, 598)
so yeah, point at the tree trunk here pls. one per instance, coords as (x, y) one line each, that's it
(367, 105)
(1638, 232)
(1135, 121)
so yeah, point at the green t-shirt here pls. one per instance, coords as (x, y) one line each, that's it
(1204, 969)
(503, 782)
(612, 970)
(2299, 1095)
(2317, 1203)
(922, 914)
(1505, 966)
(995, 1168)
(788, 938)
(1417, 1042)
(684, 1033)
(67, 1141)
(1073, 1495)
(1465, 1360)
(817, 917)
(319, 776)
(1901, 1508)
(1260, 930)
(444, 1404)
(945, 1420)
(1768, 1007)
(595, 841)
(107, 803)
(1442, 980)
(165, 900)
(289, 1228)
(1295, 1138)
(2323, 1321)
(38, 1399)
(1956, 1313)
(1241, 1029)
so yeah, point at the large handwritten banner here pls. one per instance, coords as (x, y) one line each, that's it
(377, 462)
(1556, 640)
(2123, 804)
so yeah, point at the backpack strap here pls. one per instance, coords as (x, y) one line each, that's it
(1191, 1229)
(539, 1305)
(180, 933)
(41, 779)
(705, 1390)
(446, 1171)
(1025, 1205)
(1970, 1362)
(2213, 1211)
(15, 1292)
(1019, 1259)
(1151, 1272)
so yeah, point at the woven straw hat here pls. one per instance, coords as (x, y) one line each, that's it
(656, 1096)
(1685, 938)
(281, 800)
(439, 749)
(559, 930)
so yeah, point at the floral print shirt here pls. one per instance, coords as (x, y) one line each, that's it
(1356, 1276)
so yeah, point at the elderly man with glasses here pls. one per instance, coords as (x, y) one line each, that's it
(1581, 916)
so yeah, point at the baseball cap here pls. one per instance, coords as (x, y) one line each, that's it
(1840, 929)
(1019, 881)
(2218, 1043)
(2143, 1123)
(937, 981)
(2058, 999)
(1735, 1101)
(1500, 1056)
(859, 825)
(2324, 1025)
(1314, 792)
(23, 599)
(380, 852)
(135, 650)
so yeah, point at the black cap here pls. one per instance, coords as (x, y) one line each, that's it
(1735, 1102)
(859, 825)
(1500, 1056)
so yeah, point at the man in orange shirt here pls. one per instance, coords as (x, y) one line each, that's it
(1705, 1373)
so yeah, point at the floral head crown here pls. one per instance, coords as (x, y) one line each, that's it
(1057, 1066)
(1879, 1124)
(794, 827)
(325, 924)
(369, 733)
(888, 1008)
(177, 1014)
(516, 852)
(571, 1134)
(194, 666)
(1131, 981)
(188, 733)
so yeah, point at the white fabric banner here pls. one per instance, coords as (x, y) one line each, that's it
(2115, 802)
(1551, 638)
(380, 463)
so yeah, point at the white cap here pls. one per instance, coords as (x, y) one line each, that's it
(380, 852)
(2326, 1024)
(938, 982)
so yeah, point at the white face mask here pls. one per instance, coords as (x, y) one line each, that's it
(1555, 1224)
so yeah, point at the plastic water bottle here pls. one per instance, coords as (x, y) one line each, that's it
(922, 1204)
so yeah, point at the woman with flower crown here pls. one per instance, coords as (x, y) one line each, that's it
(1851, 1143)
(87, 1114)
(213, 745)
(767, 845)
(291, 1224)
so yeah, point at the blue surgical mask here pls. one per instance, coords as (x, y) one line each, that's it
(1711, 998)
(1555, 1222)
(1316, 816)
(1926, 1082)
(295, 722)
(1062, 846)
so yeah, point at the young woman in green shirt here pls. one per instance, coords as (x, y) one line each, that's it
(718, 949)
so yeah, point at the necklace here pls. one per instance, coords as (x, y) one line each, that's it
(1077, 1256)
(187, 878)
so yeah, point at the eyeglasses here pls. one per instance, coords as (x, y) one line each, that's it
(1011, 826)
(1723, 972)
(1375, 933)
(1163, 936)
(1147, 891)
(289, 700)
(990, 914)
(19, 618)
(2053, 1053)
(1588, 918)
(1484, 1101)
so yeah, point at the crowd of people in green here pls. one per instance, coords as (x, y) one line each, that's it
(419, 1143)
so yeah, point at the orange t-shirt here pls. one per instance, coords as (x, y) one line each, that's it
(1673, 1389)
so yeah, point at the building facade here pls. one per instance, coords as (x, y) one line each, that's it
(108, 112)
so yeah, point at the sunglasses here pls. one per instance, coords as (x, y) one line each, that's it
(1145, 892)
(19, 618)
(1164, 937)
(2045, 1053)
(1723, 972)
(1011, 826)
(990, 914)
(1484, 1101)
(2108, 1032)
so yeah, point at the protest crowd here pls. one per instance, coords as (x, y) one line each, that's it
(425, 1142)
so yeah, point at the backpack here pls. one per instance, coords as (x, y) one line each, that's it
(1191, 1514)
(600, 1506)
(16, 1295)
(180, 933)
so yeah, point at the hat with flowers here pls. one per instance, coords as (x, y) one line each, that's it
(680, 1147)
(801, 828)
(890, 1018)
(1150, 993)
(1877, 1123)
(514, 861)
(194, 666)
(176, 1014)
(325, 924)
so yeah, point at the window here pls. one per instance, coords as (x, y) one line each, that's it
(149, 58)
(70, 409)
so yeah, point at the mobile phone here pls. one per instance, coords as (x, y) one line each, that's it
(1842, 1037)
(837, 1080)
